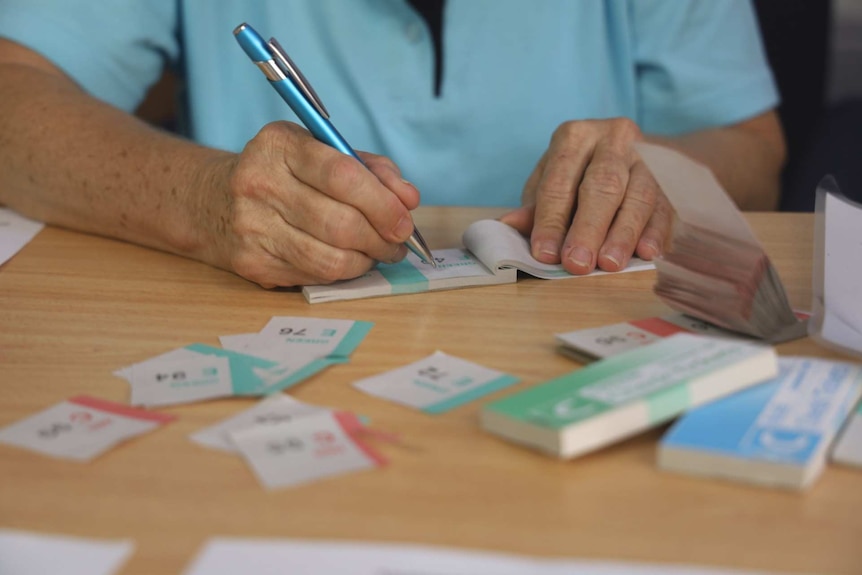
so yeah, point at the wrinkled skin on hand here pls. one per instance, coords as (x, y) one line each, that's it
(591, 202)
(290, 210)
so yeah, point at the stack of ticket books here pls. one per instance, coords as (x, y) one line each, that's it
(628, 393)
(776, 434)
(716, 269)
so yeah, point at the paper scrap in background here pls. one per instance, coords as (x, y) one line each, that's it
(29, 553)
(16, 231)
(181, 381)
(306, 449)
(586, 345)
(274, 409)
(607, 340)
(228, 556)
(848, 448)
(775, 434)
(291, 339)
(81, 428)
(837, 283)
(249, 375)
(437, 383)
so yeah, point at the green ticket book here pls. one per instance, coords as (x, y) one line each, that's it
(628, 393)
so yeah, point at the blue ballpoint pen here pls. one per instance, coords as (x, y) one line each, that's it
(288, 81)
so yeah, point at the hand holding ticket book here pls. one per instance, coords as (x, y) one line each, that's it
(716, 269)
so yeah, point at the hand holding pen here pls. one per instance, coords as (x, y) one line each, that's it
(286, 78)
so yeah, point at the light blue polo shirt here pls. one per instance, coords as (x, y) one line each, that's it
(513, 71)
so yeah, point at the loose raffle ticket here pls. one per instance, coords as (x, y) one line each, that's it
(284, 441)
(777, 430)
(288, 443)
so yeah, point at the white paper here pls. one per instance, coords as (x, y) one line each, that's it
(77, 431)
(493, 254)
(178, 354)
(270, 411)
(837, 318)
(436, 383)
(181, 381)
(16, 231)
(228, 556)
(498, 245)
(848, 447)
(27, 553)
(299, 339)
(697, 197)
(303, 450)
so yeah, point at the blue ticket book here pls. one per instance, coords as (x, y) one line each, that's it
(777, 433)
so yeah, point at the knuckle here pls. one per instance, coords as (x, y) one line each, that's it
(340, 229)
(250, 267)
(246, 181)
(605, 182)
(626, 128)
(241, 223)
(568, 133)
(343, 173)
(333, 267)
(627, 233)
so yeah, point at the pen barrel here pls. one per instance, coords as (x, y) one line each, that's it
(321, 128)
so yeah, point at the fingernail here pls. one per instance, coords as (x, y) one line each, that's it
(615, 256)
(398, 254)
(409, 183)
(650, 246)
(547, 252)
(581, 257)
(403, 228)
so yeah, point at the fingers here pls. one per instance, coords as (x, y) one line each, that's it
(348, 181)
(300, 212)
(528, 194)
(657, 231)
(275, 254)
(390, 176)
(565, 162)
(631, 219)
(520, 219)
(600, 195)
(334, 223)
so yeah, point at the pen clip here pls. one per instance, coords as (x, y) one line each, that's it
(291, 70)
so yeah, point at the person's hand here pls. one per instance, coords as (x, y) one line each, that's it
(290, 210)
(591, 201)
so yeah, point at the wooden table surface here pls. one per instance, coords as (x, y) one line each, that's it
(74, 308)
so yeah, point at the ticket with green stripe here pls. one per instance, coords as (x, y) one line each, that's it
(627, 393)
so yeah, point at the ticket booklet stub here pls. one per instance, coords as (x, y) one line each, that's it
(586, 345)
(715, 269)
(628, 393)
(775, 434)
(493, 253)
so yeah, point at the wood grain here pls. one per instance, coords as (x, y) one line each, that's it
(74, 308)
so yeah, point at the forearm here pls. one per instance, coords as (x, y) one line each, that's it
(70, 160)
(746, 158)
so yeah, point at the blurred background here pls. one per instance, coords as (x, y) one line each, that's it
(815, 49)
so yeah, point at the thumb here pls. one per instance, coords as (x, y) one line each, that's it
(520, 219)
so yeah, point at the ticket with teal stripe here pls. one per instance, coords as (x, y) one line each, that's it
(455, 268)
(629, 392)
(436, 383)
(493, 253)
